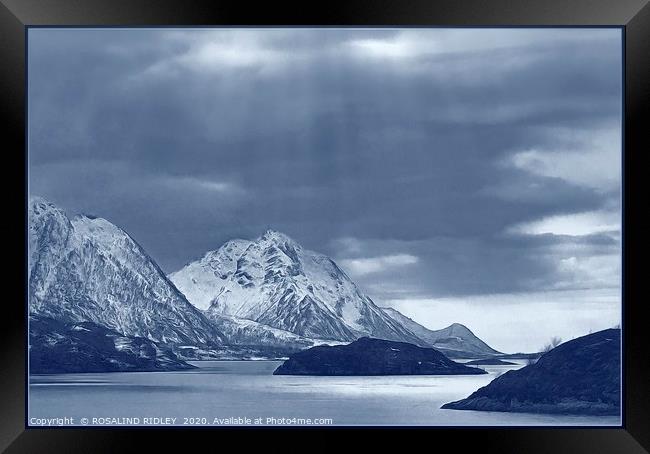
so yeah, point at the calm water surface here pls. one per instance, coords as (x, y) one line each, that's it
(247, 389)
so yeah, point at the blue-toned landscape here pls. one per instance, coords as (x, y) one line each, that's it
(104, 286)
(324, 226)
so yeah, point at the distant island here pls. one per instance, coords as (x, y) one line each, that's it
(489, 362)
(369, 356)
(581, 376)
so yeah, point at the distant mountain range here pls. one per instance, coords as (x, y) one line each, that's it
(581, 376)
(244, 299)
(455, 341)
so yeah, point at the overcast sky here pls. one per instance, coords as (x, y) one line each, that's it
(468, 175)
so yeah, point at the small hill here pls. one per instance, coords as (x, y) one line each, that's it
(581, 376)
(489, 362)
(368, 356)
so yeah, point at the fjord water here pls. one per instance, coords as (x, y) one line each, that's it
(247, 389)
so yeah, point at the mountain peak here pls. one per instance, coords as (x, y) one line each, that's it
(458, 325)
(98, 228)
(274, 235)
(38, 205)
(38, 200)
(458, 328)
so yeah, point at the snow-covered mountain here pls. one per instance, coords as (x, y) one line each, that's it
(455, 341)
(274, 281)
(87, 269)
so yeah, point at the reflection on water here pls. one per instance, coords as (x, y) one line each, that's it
(224, 389)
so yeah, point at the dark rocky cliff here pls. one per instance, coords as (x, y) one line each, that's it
(581, 376)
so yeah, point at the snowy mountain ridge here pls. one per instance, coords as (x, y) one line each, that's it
(268, 292)
(86, 269)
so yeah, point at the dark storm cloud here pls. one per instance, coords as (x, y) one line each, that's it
(422, 148)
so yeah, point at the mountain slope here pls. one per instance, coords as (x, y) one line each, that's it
(57, 347)
(87, 269)
(368, 356)
(581, 376)
(274, 281)
(456, 340)
(239, 331)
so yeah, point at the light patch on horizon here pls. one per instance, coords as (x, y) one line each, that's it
(575, 224)
(363, 266)
(523, 322)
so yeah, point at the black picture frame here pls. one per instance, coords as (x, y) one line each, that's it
(17, 15)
